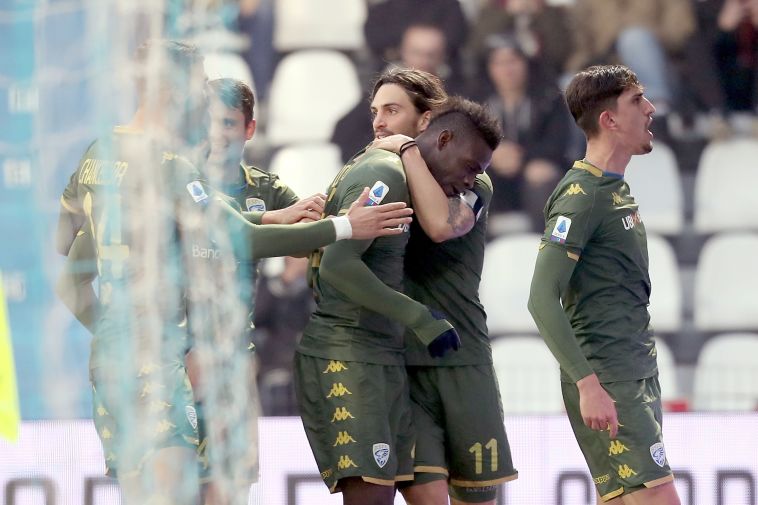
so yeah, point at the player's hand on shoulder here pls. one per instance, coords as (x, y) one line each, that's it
(391, 143)
(371, 221)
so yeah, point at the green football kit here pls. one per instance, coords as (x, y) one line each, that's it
(593, 256)
(350, 378)
(470, 451)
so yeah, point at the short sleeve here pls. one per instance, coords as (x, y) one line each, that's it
(570, 222)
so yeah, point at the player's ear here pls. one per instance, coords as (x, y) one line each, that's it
(606, 120)
(250, 130)
(443, 139)
(423, 121)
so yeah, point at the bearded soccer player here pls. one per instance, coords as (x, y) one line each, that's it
(128, 194)
(457, 454)
(590, 292)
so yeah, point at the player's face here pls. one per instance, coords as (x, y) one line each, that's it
(393, 112)
(633, 116)
(457, 160)
(228, 133)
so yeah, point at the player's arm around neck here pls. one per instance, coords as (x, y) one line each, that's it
(441, 217)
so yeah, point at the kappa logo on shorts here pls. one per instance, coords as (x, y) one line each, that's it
(561, 230)
(191, 416)
(658, 453)
(381, 454)
(255, 205)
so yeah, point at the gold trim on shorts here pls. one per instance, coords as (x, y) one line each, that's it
(658, 482)
(431, 469)
(403, 478)
(483, 483)
(381, 482)
(613, 494)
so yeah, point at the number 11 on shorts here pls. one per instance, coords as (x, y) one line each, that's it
(476, 450)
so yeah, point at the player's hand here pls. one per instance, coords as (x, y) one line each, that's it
(304, 211)
(596, 406)
(446, 341)
(391, 143)
(374, 221)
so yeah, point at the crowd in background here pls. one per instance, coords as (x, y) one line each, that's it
(698, 60)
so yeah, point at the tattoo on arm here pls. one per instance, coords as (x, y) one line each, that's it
(457, 217)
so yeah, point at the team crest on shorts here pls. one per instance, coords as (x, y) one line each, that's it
(381, 454)
(255, 205)
(658, 453)
(191, 416)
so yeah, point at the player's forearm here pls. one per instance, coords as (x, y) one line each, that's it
(291, 239)
(79, 297)
(342, 267)
(551, 276)
(255, 217)
(441, 218)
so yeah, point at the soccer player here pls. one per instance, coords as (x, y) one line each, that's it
(457, 454)
(360, 430)
(590, 294)
(138, 200)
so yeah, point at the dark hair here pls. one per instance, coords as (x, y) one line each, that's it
(596, 89)
(424, 89)
(235, 94)
(459, 113)
(176, 61)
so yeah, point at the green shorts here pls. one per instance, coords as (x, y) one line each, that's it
(136, 418)
(636, 458)
(460, 433)
(357, 417)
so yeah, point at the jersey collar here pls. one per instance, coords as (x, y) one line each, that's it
(586, 165)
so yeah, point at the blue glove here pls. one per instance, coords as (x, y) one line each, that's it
(445, 341)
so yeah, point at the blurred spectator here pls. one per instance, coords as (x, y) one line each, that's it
(423, 47)
(283, 305)
(387, 21)
(536, 131)
(736, 53)
(541, 30)
(641, 34)
(256, 20)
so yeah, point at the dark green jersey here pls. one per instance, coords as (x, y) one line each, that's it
(446, 277)
(593, 216)
(341, 328)
(261, 191)
(130, 192)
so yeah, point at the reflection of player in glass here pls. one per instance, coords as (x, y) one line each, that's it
(134, 196)
(457, 454)
(590, 294)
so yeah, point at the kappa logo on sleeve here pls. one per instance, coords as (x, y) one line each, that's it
(196, 191)
(560, 230)
(378, 191)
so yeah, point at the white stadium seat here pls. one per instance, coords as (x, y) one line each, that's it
(310, 92)
(307, 168)
(228, 65)
(666, 298)
(726, 275)
(666, 372)
(334, 24)
(726, 375)
(725, 185)
(528, 375)
(657, 187)
(506, 278)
